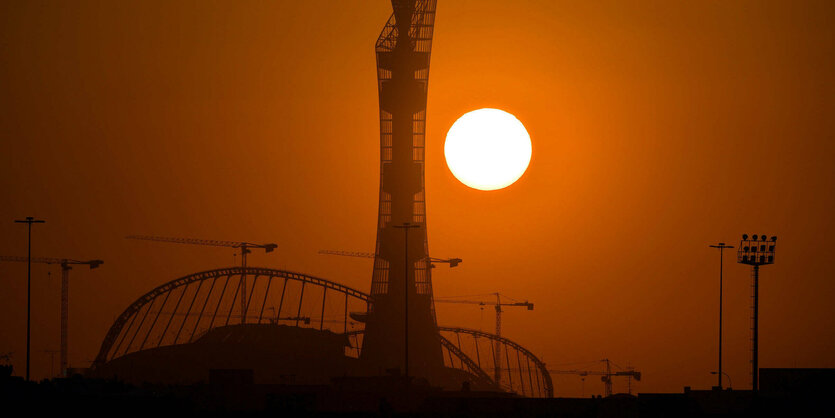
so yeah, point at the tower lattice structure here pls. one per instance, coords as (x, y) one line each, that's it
(403, 52)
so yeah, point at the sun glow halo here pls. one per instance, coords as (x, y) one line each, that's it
(487, 149)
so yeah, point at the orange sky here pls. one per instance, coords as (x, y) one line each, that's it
(658, 128)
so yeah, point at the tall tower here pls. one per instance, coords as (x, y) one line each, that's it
(403, 50)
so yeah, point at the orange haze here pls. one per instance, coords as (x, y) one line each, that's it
(658, 128)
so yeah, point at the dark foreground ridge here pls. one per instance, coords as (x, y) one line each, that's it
(785, 392)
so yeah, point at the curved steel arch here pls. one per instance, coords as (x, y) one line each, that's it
(466, 360)
(543, 370)
(165, 289)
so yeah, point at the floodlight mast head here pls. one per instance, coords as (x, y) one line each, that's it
(756, 251)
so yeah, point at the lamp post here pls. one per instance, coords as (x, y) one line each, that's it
(406, 227)
(757, 251)
(29, 220)
(721, 246)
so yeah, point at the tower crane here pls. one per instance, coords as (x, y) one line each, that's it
(66, 265)
(453, 262)
(243, 246)
(498, 306)
(605, 376)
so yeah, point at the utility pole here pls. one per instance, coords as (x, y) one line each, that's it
(406, 227)
(721, 246)
(29, 220)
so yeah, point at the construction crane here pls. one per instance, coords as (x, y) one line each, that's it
(605, 376)
(244, 247)
(453, 262)
(497, 371)
(66, 265)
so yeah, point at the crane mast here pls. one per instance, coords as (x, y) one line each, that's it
(497, 348)
(66, 265)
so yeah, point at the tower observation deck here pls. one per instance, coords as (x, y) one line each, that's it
(403, 51)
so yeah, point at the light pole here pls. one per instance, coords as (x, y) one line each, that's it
(29, 220)
(406, 227)
(757, 251)
(721, 246)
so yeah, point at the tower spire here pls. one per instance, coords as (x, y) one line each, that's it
(403, 51)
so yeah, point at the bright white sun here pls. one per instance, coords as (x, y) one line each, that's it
(487, 149)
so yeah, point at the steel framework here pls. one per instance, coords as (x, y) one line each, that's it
(519, 364)
(244, 247)
(403, 51)
(181, 310)
(527, 377)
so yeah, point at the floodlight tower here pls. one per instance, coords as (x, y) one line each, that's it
(757, 251)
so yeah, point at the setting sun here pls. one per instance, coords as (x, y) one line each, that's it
(487, 149)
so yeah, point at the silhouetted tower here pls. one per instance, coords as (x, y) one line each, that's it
(757, 251)
(403, 50)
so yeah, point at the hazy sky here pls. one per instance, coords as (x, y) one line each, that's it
(658, 128)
